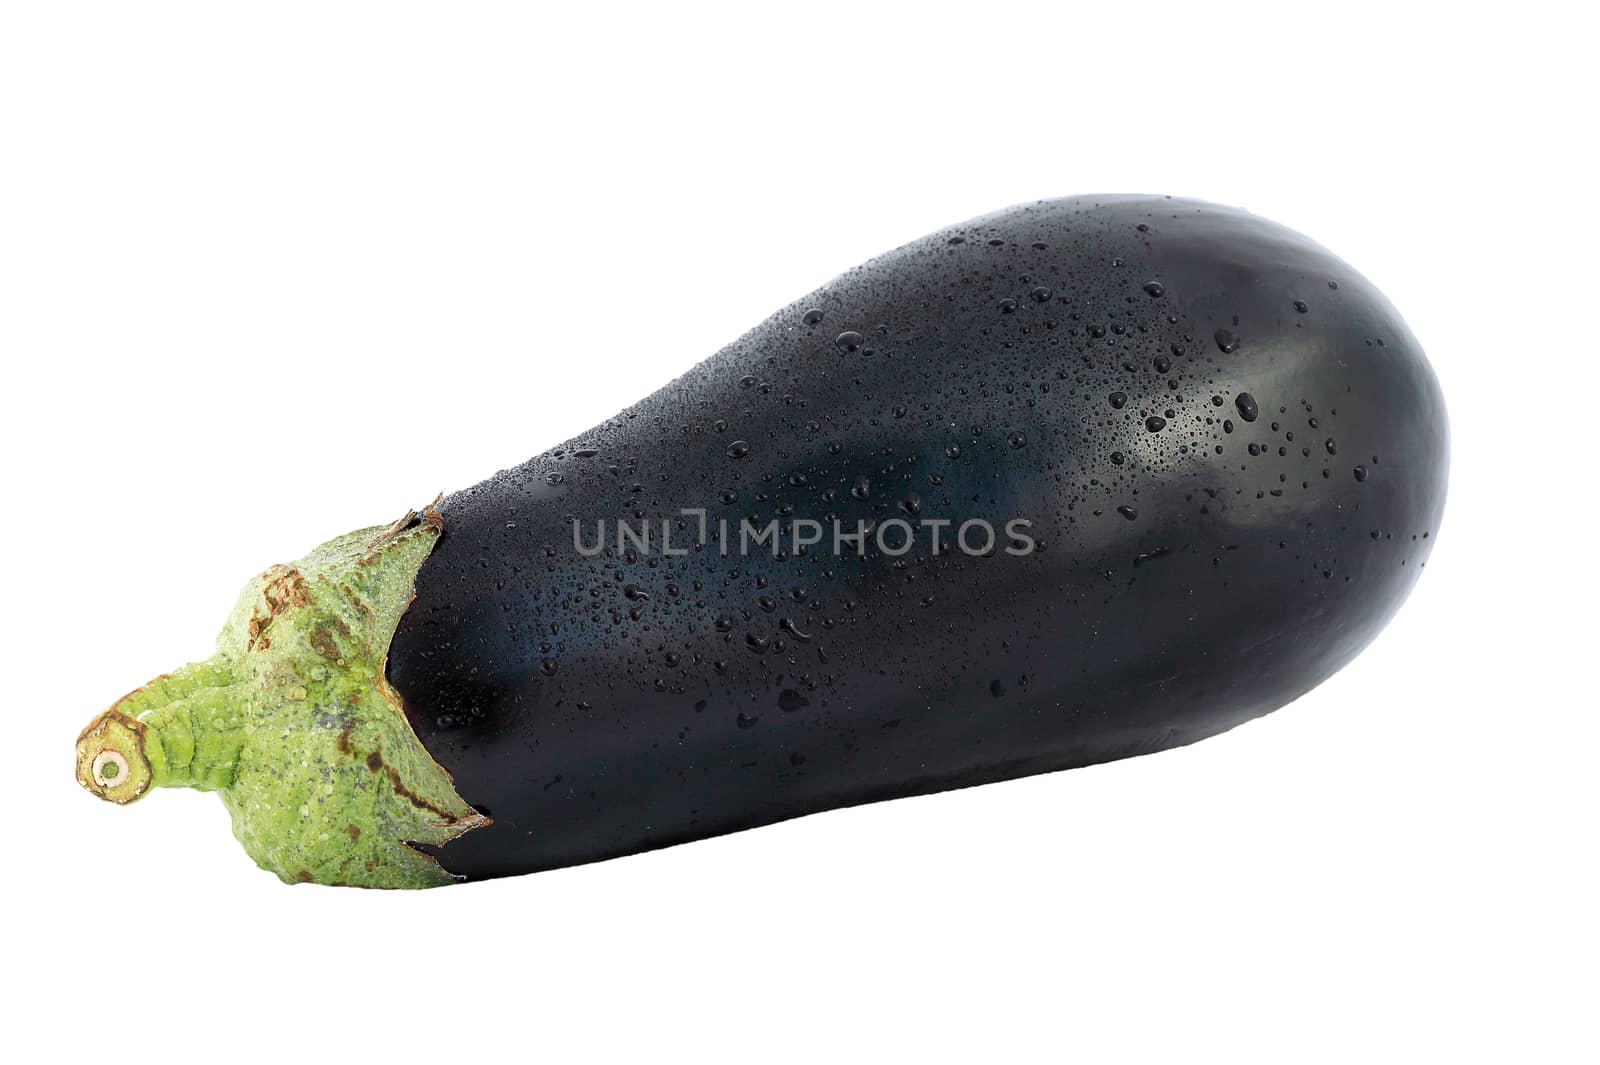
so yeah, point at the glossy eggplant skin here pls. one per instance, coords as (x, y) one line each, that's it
(1086, 364)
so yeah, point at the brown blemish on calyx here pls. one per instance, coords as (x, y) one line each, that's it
(430, 516)
(420, 803)
(285, 589)
(405, 522)
(388, 693)
(323, 643)
(376, 763)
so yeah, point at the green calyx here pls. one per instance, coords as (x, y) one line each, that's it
(294, 725)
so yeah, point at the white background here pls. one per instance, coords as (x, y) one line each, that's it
(255, 261)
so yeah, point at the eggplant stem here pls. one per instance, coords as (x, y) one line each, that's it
(293, 723)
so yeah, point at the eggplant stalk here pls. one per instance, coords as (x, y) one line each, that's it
(293, 723)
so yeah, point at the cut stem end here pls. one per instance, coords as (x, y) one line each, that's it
(111, 762)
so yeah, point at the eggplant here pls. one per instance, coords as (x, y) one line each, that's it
(1079, 480)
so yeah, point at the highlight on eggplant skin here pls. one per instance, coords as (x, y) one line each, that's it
(1231, 451)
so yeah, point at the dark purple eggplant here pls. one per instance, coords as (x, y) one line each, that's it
(1198, 461)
